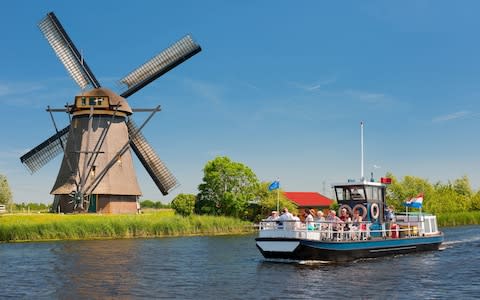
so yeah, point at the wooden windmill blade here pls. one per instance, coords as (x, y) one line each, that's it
(45, 151)
(157, 170)
(165, 61)
(66, 51)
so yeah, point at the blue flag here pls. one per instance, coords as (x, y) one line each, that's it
(274, 185)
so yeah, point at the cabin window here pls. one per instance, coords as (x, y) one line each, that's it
(341, 193)
(374, 193)
(357, 193)
(350, 193)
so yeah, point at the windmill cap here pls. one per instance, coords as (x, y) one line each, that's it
(114, 98)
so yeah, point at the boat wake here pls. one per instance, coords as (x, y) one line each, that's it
(449, 244)
(299, 262)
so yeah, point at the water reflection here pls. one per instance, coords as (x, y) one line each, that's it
(229, 267)
(96, 268)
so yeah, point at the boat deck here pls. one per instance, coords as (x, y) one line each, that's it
(406, 226)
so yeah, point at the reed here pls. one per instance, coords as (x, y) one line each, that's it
(41, 227)
(458, 218)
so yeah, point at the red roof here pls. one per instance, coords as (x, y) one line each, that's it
(308, 199)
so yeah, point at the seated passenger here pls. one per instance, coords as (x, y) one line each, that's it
(273, 216)
(357, 225)
(334, 220)
(345, 217)
(298, 223)
(319, 220)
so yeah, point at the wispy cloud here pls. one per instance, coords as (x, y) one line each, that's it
(313, 86)
(369, 97)
(452, 116)
(24, 93)
(211, 92)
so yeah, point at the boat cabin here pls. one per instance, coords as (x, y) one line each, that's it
(368, 197)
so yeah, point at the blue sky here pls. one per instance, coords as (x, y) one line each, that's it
(280, 86)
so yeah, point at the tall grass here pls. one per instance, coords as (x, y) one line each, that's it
(458, 218)
(36, 227)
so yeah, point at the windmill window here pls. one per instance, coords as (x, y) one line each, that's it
(91, 101)
(84, 101)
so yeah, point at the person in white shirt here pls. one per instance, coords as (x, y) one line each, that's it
(309, 219)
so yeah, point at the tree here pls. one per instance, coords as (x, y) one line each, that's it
(400, 191)
(268, 201)
(147, 204)
(184, 204)
(5, 192)
(227, 189)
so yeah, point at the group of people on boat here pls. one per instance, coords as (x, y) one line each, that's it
(352, 223)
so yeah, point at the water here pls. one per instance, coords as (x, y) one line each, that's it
(231, 268)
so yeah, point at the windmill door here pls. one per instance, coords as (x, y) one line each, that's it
(93, 204)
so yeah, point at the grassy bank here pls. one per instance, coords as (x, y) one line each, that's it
(38, 227)
(458, 218)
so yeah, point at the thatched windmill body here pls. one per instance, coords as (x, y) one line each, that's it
(97, 172)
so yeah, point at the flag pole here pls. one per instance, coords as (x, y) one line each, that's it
(362, 176)
(278, 196)
(278, 200)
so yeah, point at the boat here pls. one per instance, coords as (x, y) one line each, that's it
(334, 241)
(331, 241)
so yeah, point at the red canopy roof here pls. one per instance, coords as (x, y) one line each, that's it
(308, 199)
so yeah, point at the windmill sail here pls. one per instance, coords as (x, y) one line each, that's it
(67, 52)
(160, 64)
(162, 177)
(46, 151)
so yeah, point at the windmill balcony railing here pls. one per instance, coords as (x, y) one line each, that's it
(334, 231)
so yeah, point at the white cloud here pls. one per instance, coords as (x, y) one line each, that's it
(313, 86)
(452, 116)
(33, 94)
(211, 92)
(369, 97)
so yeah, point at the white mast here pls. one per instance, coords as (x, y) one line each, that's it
(362, 177)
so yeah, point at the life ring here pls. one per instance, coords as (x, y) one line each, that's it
(347, 207)
(374, 211)
(362, 208)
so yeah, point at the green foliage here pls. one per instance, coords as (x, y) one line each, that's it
(32, 207)
(458, 218)
(38, 227)
(5, 192)
(151, 204)
(268, 202)
(147, 204)
(184, 204)
(227, 189)
(439, 198)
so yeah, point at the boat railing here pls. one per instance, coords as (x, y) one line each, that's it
(335, 231)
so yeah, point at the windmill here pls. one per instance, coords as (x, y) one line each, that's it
(97, 173)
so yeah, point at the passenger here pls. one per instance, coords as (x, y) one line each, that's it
(345, 217)
(297, 221)
(286, 215)
(319, 220)
(357, 225)
(357, 219)
(273, 216)
(335, 222)
(285, 218)
(390, 219)
(309, 219)
(390, 214)
(271, 221)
